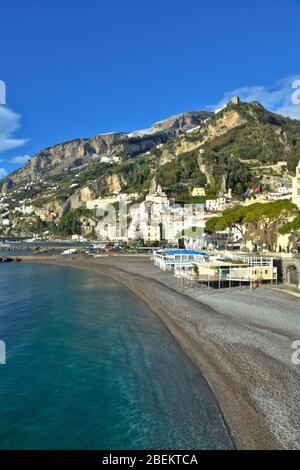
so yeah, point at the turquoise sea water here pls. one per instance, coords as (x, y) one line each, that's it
(89, 366)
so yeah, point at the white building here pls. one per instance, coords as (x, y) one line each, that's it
(110, 232)
(198, 192)
(284, 190)
(156, 196)
(103, 202)
(296, 187)
(219, 204)
(157, 218)
(5, 222)
(151, 233)
(110, 159)
(147, 218)
(25, 210)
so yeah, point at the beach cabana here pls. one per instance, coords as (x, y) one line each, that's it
(169, 260)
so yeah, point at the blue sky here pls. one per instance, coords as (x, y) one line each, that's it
(78, 68)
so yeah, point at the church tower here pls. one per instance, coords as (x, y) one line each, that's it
(235, 100)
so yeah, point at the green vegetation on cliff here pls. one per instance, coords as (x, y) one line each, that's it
(231, 140)
(71, 223)
(184, 169)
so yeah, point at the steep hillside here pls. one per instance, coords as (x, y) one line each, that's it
(219, 151)
(228, 145)
(80, 153)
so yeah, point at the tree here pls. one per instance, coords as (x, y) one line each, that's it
(292, 228)
(71, 223)
(92, 235)
(233, 218)
(212, 224)
(38, 226)
(257, 221)
(264, 220)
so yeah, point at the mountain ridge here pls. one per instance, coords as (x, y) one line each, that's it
(78, 150)
(183, 151)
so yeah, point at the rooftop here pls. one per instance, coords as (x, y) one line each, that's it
(186, 252)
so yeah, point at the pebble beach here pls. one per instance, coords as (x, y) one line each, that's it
(241, 340)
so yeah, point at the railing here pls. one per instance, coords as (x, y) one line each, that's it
(239, 276)
(253, 260)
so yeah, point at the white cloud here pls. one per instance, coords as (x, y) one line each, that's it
(20, 159)
(3, 173)
(279, 97)
(9, 124)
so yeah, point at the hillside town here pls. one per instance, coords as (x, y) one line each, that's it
(156, 220)
(166, 186)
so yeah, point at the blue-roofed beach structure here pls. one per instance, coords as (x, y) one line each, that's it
(186, 252)
(167, 260)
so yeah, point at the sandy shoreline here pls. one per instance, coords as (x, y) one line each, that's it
(241, 342)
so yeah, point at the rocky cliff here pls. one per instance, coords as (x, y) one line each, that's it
(214, 150)
(79, 153)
